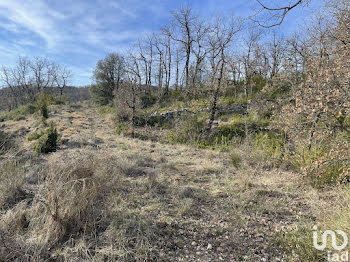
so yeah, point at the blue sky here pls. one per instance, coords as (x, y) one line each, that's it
(78, 33)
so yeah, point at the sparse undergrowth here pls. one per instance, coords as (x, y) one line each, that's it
(43, 101)
(299, 246)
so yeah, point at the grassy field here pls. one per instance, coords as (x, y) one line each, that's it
(104, 197)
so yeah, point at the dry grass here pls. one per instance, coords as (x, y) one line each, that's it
(113, 198)
(337, 217)
(12, 178)
(64, 204)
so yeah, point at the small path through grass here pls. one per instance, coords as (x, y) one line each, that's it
(220, 213)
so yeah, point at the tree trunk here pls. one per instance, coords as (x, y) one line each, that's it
(216, 95)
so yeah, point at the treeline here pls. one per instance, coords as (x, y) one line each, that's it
(192, 58)
(304, 77)
(71, 93)
(29, 77)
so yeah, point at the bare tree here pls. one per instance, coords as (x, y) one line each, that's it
(29, 77)
(132, 87)
(177, 70)
(144, 60)
(62, 77)
(20, 81)
(297, 54)
(219, 40)
(167, 62)
(199, 49)
(150, 59)
(43, 73)
(276, 50)
(249, 60)
(8, 79)
(160, 52)
(182, 32)
(235, 68)
(145, 48)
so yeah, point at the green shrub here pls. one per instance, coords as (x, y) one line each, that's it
(19, 113)
(258, 83)
(148, 100)
(176, 95)
(48, 141)
(328, 168)
(270, 143)
(41, 106)
(121, 129)
(34, 136)
(235, 129)
(42, 103)
(155, 121)
(101, 94)
(225, 118)
(190, 130)
(103, 110)
(47, 99)
(236, 159)
(26, 109)
(152, 121)
(240, 125)
(19, 118)
(298, 242)
(140, 121)
(325, 162)
(277, 88)
(241, 99)
(62, 100)
(329, 175)
(166, 125)
(44, 111)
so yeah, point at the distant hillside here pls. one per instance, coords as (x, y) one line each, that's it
(75, 94)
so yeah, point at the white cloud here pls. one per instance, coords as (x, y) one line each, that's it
(34, 16)
(10, 26)
(73, 32)
(80, 22)
(122, 9)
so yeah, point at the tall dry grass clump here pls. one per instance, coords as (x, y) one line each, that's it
(65, 203)
(82, 206)
(11, 181)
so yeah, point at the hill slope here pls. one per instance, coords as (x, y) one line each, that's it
(105, 197)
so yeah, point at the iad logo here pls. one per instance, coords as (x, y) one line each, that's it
(344, 256)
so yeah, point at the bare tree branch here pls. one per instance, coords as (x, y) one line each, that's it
(278, 13)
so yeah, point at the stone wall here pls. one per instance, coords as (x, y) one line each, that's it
(169, 115)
